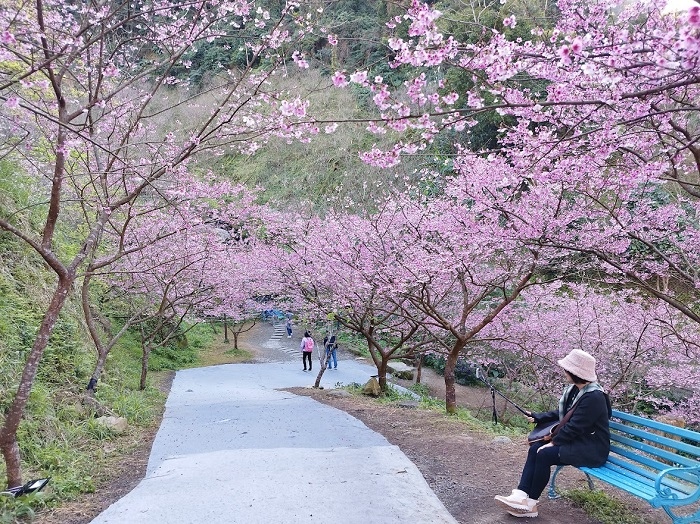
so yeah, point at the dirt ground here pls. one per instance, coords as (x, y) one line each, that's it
(464, 468)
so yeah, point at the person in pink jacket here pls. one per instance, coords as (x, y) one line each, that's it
(307, 348)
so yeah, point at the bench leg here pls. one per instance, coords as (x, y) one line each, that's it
(552, 492)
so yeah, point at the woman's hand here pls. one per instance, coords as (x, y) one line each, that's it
(530, 418)
(547, 445)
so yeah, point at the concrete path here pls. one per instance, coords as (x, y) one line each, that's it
(232, 448)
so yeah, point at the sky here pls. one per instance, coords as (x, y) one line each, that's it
(679, 5)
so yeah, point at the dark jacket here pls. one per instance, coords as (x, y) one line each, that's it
(585, 439)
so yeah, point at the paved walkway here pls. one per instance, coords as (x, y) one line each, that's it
(233, 448)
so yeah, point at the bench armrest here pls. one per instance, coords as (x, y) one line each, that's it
(665, 496)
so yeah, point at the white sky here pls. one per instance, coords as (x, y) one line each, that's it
(678, 5)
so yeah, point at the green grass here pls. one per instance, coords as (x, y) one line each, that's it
(601, 506)
(216, 351)
(428, 402)
(354, 343)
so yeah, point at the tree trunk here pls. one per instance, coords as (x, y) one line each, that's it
(144, 365)
(226, 333)
(97, 372)
(419, 368)
(13, 416)
(324, 366)
(13, 462)
(235, 339)
(92, 329)
(317, 384)
(381, 373)
(102, 352)
(450, 393)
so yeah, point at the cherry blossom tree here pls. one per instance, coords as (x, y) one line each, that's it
(602, 149)
(332, 267)
(459, 267)
(87, 98)
(242, 287)
(419, 269)
(154, 237)
(598, 156)
(646, 350)
(160, 282)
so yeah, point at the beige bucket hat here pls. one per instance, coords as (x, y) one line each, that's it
(581, 364)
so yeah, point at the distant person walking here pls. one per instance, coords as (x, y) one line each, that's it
(307, 348)
(288, 325)
(331, 346)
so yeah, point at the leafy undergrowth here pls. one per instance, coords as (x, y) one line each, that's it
(393, 395)
(602, 506)
(61, 439)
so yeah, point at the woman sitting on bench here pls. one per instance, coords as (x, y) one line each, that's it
(582, 437)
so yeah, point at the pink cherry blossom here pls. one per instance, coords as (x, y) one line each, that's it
(110, 71)
(7, 38)
(12, 102)
(339, 79)
(359, 77)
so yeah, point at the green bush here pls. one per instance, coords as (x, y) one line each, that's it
(601, 506)
(464, 370)
(353, 343)
(18, 510)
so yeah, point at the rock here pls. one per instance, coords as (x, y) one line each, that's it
(372, 388)
(222, 234)
(401, 370)
(117, 425)
(501, 439)
(339, 393)
(409, 404)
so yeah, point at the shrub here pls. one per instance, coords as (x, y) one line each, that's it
(464, 370)
(601, 506)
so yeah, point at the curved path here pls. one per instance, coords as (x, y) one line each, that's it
(233, 448)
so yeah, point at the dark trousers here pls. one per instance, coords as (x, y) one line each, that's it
(537, 469)
(306, 355)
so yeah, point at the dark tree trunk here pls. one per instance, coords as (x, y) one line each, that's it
(144, 366)
(419, 368)
(97, 372)
(450, 393)
(13, 415)
(146, 348)
(381, 373)
(317, 384)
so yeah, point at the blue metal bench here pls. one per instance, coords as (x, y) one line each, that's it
(647, 461)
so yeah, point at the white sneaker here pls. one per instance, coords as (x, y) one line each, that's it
(531, 512)
(517, 500)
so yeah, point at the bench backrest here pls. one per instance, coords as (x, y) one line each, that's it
(647, 446)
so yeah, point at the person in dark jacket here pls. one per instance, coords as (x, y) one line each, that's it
(583, 439)
(331, 345)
